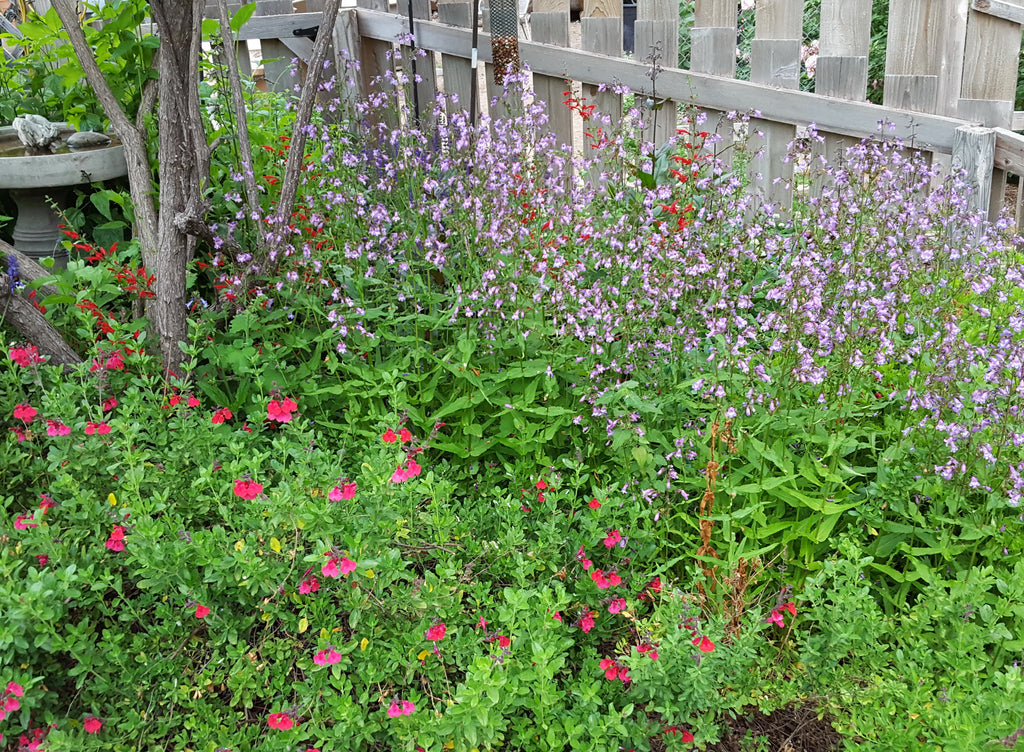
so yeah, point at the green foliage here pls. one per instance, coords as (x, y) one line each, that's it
(46, 81)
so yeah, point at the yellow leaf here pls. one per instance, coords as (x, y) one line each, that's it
(369, 574)
(275, 545)
(239, 545)
(303, 624)
(423, 655)
(363, 643)
(112, 499)
(300, 524)
(324, 634)
(449, 744)
(267, 616)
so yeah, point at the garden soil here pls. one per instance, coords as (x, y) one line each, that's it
(786, 730)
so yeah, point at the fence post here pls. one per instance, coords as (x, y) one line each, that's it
(775, 60)
(601, 27)
(713, 50)
(974, 150)
(277, 58)
(842, 69)
(456, 71)
(426, 90)
(990, 82)
(656, 34)
(549, 24)
(377, 67)
(241, 47)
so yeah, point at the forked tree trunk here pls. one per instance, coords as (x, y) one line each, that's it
(166, 235)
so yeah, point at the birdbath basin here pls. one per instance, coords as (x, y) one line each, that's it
(35, 179)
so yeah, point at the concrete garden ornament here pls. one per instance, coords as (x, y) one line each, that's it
(39, 162)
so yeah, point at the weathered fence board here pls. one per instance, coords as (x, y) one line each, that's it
(713, 51)
(774, 61)
(656, 40)
(601, 31)
(990, 81)
(951, 64)
(277, 56)
(456, 71)
(549, 24)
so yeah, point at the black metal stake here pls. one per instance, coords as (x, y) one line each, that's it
(415, 88)
(474, 61)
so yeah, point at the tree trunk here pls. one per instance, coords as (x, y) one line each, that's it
(184, 164)
(17, 310)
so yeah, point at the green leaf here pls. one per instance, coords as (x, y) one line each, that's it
(242, 16)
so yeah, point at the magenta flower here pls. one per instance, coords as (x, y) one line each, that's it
(280, 721)
(619, 604)
(247, 489)
(281, 410)
(613, 539)
(25, 412)
(436, 632)
(56, 428)
(92, 725)
(327, 657)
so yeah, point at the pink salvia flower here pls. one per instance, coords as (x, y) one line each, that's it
(619, 604)
(309, 585)
(704, 644)
(92, 725)
(613, 539)
(394, 710)
(347, 565)
(247, 489)
(280, 721)
(330, 569)
(436, 632)
(13, 688)
(389, 437)
(24, 522)
(334, 494)
(408, 708)
(202, 611)
(56, 428)
(348, 491)
(25, 412)
(327, 657)
(404, 436)
(281, 410)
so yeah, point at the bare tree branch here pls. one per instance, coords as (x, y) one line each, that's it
(241, 123)
(139, 177)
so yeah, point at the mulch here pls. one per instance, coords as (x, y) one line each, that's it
(791, 729)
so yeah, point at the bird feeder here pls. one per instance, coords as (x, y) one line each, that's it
(504, 38)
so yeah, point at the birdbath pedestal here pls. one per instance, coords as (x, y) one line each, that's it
(38, 179)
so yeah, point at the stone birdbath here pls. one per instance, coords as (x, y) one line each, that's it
(37, 177)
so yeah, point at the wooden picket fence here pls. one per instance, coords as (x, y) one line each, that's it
(949, 88)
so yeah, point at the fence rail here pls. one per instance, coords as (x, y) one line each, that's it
(949, 84)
